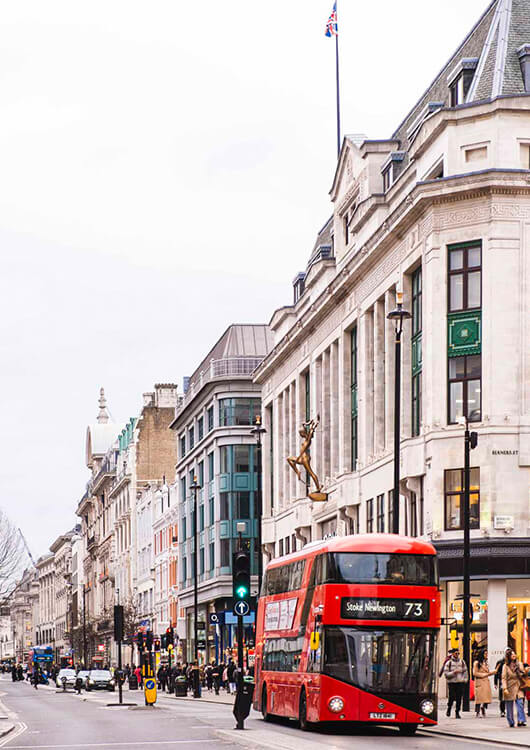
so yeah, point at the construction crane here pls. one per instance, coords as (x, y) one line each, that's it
(27, 547)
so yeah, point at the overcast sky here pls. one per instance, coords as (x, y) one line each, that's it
(164, 167)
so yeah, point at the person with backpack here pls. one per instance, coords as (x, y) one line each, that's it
(457, 676)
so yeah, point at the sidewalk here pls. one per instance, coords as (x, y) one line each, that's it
(493, 728)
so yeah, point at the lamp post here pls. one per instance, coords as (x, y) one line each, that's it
(470, 442)
(195, 487)
(398, 316)
(258, 430)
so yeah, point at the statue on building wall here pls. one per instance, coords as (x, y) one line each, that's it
(307, 432)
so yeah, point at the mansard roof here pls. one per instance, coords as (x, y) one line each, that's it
(491, 49)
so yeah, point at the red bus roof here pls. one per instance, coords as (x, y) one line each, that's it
(382, 543)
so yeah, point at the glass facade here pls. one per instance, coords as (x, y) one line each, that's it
(238, 411)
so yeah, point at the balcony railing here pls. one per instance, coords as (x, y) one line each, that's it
(228, 367)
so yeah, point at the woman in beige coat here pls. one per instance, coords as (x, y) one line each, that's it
(512, 689)
(481, 675)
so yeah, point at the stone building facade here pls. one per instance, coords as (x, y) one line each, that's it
(439, 212)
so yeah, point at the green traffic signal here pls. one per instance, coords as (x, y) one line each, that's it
(242, 591)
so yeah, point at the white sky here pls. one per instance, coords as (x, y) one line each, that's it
(164, 168)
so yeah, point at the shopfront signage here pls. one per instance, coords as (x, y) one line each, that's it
(384, 609)
(504, 453)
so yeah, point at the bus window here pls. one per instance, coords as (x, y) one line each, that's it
(380, 568)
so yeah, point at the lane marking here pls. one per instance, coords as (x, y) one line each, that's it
(119, 744)
(14, 734)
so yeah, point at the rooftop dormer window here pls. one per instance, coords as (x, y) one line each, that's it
(347, 219)
(390, 169)
(298, 286)
(460, 80)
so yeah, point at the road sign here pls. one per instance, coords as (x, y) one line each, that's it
(242, 608)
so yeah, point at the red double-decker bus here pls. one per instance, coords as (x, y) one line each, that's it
(347, 631)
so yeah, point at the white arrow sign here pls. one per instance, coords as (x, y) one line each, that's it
(241, 609)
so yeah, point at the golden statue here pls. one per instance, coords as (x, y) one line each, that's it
(307, 432)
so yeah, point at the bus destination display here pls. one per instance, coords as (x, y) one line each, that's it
(384, 609)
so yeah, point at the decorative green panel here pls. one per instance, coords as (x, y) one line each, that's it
(241, 481)
(464, 334)
(354, 406)
(224, 482)
(224, 529)
(417, 354)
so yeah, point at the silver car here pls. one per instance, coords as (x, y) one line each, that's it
(65, 677)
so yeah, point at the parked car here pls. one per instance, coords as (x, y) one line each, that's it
(65, 676)
(100, 679)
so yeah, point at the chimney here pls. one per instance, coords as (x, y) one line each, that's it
(166, 395)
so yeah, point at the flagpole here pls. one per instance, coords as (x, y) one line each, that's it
(339, 143)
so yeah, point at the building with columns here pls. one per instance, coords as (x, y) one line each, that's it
(439, 212)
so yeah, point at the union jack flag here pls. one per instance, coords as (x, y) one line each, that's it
(331, 26)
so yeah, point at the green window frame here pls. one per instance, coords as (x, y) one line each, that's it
(354, 399)
(417, 326)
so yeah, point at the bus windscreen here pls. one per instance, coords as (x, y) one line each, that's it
(378, 568)
(381, 661)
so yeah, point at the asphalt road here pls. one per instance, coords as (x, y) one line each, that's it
(48, 720)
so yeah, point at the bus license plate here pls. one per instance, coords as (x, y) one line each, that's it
(382, 716)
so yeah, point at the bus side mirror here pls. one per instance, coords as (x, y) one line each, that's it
(315, 641)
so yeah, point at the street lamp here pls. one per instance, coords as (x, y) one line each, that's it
(398, 316)
(258, 430)
(195, 487)
(470, 442)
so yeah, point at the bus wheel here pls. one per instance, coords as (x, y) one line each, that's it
(305, 726)
(408, 729)
(264, 712)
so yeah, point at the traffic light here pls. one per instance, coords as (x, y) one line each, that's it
(140, 639)
(241, 577)
(163, 641)
(170, 636)
(149, 640)
(157, 644)
(118, 622)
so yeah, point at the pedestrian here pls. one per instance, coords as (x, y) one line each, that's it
(14, 673)
(513, 677)
(138, 673)
(457, 677)
(497, 681)
(216, 676)
(208, 672)
(231, 676)
(36, 676)
(481, 675)
(20, 673)
(527, 686)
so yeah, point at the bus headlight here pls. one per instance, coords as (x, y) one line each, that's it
(427, 707)
(336, 705)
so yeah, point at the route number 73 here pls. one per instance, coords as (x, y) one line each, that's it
(413, 609)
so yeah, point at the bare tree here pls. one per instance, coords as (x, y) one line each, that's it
(12, 557)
